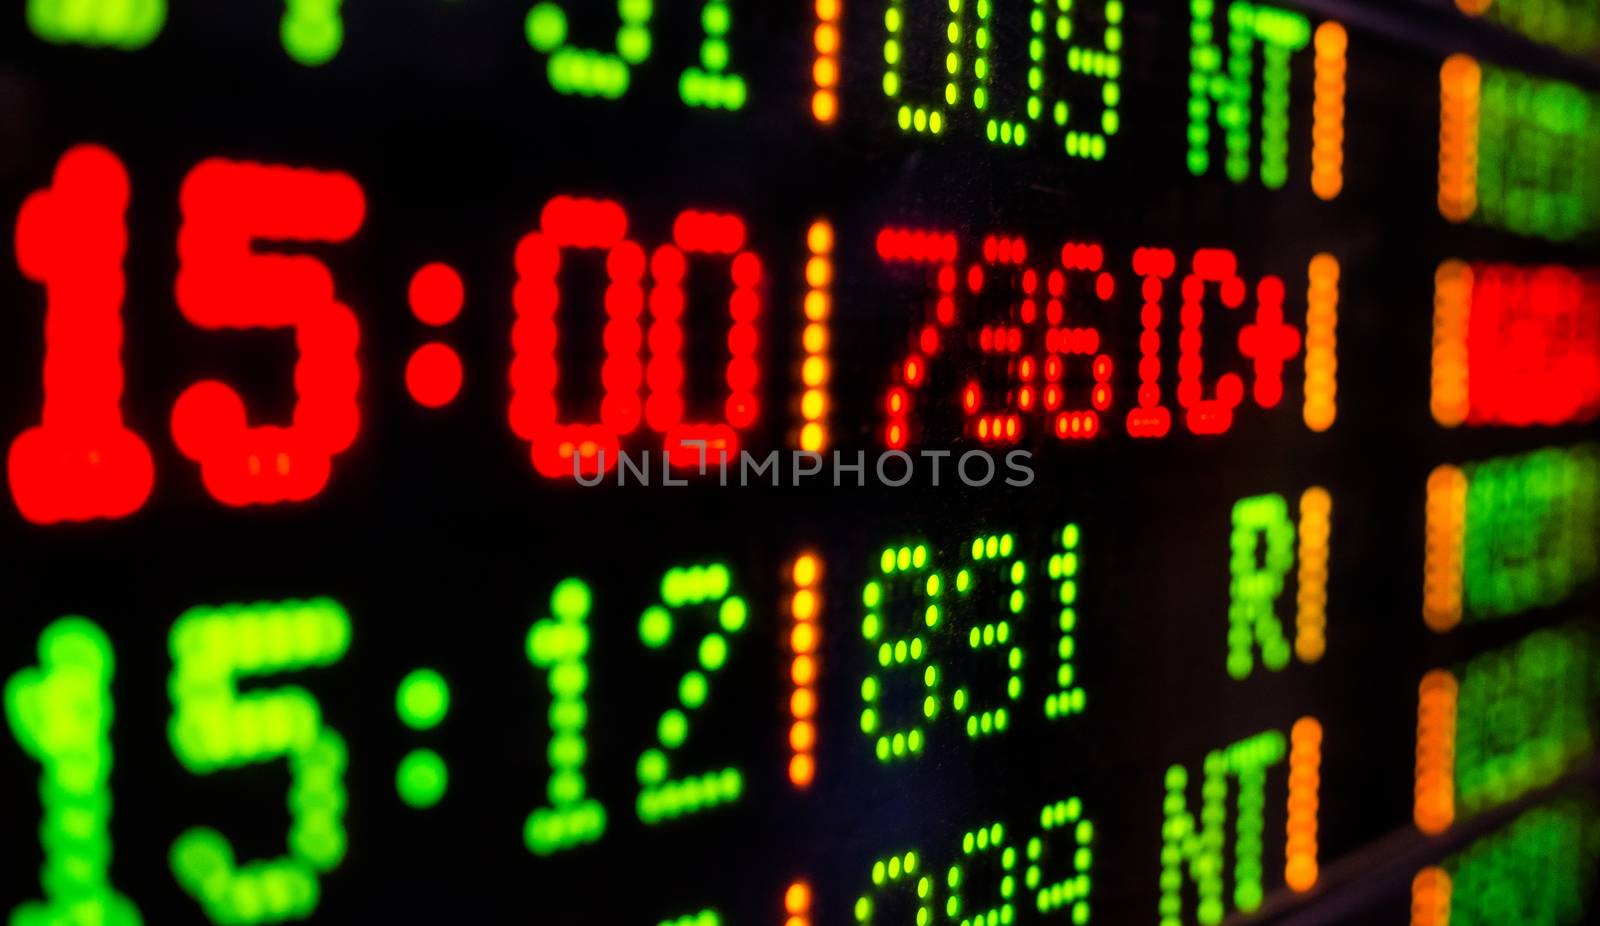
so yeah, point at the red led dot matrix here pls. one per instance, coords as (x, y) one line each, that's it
(1213, 415)
(1154, 266)
(225, 283)
(1063, 340)
(80, 463)
(939, 250)
(433, 374)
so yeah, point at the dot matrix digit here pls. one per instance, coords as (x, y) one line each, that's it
(422, 702)
(1221, 89)
(60, 713)
(81, 462)
(215, 727)
(1012, 372)
(984, 841)
(1151, 418)
(1068, 696)
(562, 450)
(1100, 62)
(1063, 340)
(897, 873)
(1200, 847)
(904, 571)
(707, 588)
(703, 918)
(1572, 26)
(1009, 129)
(939, 251)
(559, 645)
(1068, 893)
(816, 372)
(805, 639)
(995, 574)
(228, 207)
(920, 117)
(716, 235)
(575, 70)
(127, 25)
(1257, 582)
(712, 85)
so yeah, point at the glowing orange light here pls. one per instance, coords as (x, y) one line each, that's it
(805, 578)
(80, 463)
(1322, 343)
(224, 282)
(1327, 126)
(1311, 613)
(1305, 781)
(1430, 897)
(1460, 87)
(797, 901)
(825, 67)
(814, 369)
(1434, 807)
(1443, 561)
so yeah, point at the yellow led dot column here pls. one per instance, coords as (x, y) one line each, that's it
(217, 727)
(1430, 897)
(1450, 400)
(1311, 596)
(1434, 802)
(825, 66)
(1322, 343)
(1305, 783)
(1068, 698)
(815, 370)
(805, 640)
(1443, 554)
(1327, 111)
(128, 25)
(1460, 88)
(60, 712)
(559, 645)
(921, 118)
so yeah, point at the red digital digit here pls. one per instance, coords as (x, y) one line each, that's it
(1213, 415)
(224, 283)
(576, 224)
(702, 233)
(997, 422)
(938, 250)
(80, 463)
(1063, 340)
(1154, 266)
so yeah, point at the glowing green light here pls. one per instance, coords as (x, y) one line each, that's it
(423, 699)
(60, 714)
(215, 728)
(583, 71)
(711, 85)
(1226, 92)
(422, 779)
(127, 25)
(312, 31)
(1535, 872)
(707, 589)
(997, 580)
(560, 645)
(906, 571)
(1256, 583)
(703, 918)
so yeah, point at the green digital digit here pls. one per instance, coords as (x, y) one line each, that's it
(216, 727)
(60, 712)
(929, 118)
(663, 794)
(575, 70)
(123, 24)
(711, 84)
(1066, 894)
(895, 878)
(905, 571)
(1068, 698)
(984, 843)
(1257, 581)
(990, 590)
(559, 645)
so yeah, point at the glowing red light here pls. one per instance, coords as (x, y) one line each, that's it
(917, 246)
(1213, 415)
(80, 463)
(224, 283)
(1533, 346)
(433, 375)
(1151, 418)
(436, 294)
(1269, 342)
